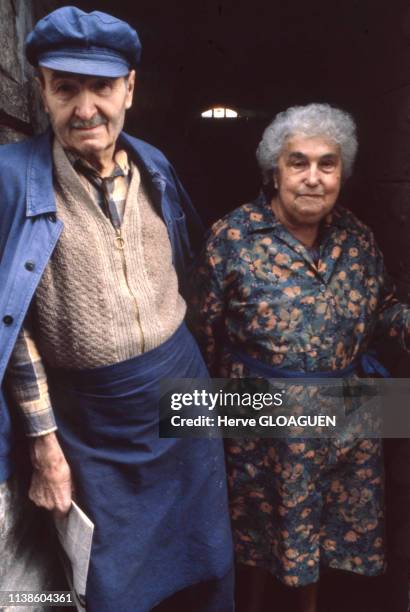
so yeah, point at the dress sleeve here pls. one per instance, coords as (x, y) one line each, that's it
(27, 385)
(209, 307)
(393, 316)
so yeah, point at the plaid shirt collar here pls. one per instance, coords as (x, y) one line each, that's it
(121, 167)
(110, 191)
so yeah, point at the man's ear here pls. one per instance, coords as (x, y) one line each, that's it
(130, 83)
(41, 85)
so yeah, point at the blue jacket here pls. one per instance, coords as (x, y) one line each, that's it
(29, 231)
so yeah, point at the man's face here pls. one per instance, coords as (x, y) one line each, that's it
(86, 113)
(307, 178)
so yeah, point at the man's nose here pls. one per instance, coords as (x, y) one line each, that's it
(85, 107)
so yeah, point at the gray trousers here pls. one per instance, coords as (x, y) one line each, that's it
(28, 549)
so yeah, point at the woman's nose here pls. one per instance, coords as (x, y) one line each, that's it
(312, 177)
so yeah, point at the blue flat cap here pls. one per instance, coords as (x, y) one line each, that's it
(96, 44)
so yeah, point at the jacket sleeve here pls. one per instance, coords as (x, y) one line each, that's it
(196, 229)
(27, 385)
(186, 232)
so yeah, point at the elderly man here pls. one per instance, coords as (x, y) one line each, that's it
(95, 250)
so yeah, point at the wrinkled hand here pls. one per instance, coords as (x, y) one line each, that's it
(51, 485)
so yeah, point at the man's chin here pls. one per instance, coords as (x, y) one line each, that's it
(88, 149)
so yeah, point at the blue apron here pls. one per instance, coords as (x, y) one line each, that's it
(159, 505)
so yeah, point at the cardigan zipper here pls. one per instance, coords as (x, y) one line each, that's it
(120, 245)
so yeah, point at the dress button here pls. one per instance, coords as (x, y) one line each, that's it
(322, 288)
(30, 265)
(8, 320)
(51, 217)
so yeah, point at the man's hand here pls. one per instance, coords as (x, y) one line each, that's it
(51, 485)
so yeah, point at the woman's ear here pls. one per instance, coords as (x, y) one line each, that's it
(275, 178)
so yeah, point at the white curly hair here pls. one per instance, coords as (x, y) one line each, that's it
(310, 120)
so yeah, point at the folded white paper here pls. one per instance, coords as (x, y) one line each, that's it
(75, 532)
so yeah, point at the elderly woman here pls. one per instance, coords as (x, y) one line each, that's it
(294, 284)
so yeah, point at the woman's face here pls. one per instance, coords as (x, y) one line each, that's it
(307, 178)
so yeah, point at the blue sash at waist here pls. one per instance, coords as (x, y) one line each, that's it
(367, 363)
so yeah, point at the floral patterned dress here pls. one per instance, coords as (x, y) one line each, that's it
(298, 504)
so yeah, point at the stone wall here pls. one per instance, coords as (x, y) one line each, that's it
(20, 112)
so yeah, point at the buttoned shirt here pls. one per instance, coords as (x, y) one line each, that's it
(110, 192)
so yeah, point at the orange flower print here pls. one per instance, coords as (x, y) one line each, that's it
(291, 580)
(329, 545)
(292, 291)
(281, 258)
(350, 536)
(234, 234)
